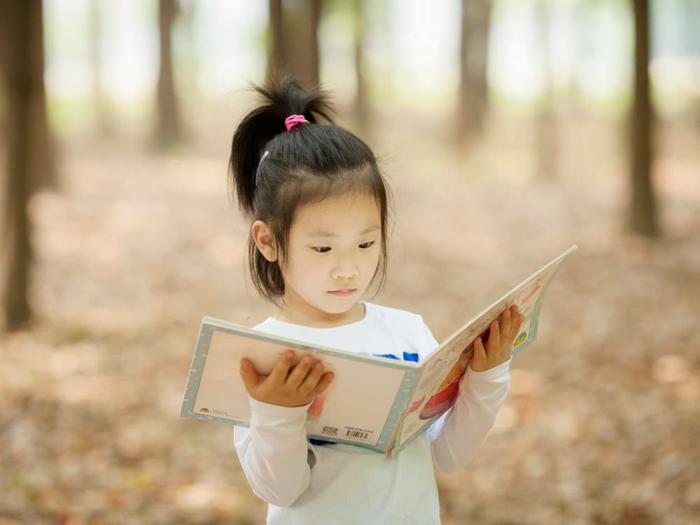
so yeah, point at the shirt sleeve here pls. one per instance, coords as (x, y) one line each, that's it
(457, 435)
(274, 453)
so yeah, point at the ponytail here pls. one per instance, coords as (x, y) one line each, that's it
(279, 101)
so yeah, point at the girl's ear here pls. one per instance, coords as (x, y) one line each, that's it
(264, 240)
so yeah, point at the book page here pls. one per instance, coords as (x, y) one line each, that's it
(437, 388)
(353, 409)
(438, 385)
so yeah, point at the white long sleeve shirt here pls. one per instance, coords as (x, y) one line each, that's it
(330, 484)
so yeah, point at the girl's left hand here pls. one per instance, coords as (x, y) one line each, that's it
(499, 346)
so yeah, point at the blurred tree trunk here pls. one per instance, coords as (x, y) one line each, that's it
(168, 126)
(361, 112)
(21, 35)
(275, 47)
(642, 208)
(691, 15)
(581, 13)
(473, 87)
(188, 59)
(104, 120)
(43, 172)
(293, 46)
(546, 120)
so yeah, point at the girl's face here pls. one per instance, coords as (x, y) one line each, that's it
(334, 245)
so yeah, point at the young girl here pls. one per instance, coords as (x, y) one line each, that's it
(319, 208)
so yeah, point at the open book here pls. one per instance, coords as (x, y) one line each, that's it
(374, 402)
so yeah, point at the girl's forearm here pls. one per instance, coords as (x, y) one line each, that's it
(273, 452)
(458, 435)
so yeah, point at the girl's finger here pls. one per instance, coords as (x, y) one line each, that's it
(324, 383)
(249, 374)
(463, 358)
(281, 368)
(505, 317)
(505, 322)
(495, 336)
(513, 328)
(479, 357)
(312, 379)
(518, 322)
(301, 370)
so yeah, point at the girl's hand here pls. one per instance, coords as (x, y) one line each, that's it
(282, 387)
(500, 344)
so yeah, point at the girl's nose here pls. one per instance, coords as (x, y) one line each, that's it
(345, 271)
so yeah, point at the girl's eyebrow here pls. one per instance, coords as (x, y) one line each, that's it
(327, 234)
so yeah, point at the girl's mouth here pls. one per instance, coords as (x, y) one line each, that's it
(346, 291)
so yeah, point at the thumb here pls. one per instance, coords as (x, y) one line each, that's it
(249, 374)
(465, 357)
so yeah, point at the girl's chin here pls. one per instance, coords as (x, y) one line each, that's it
(338, 309)
(338, 305)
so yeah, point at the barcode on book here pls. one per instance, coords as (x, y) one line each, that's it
(330, 431)
(358, 433)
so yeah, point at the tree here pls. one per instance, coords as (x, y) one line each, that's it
(43, 169)
(361, 100)
(96, 23)
(293, 43)
(473, 85)
(546, 119)
(691, 16)
(642, 206)
(168, 126)
(27, 135)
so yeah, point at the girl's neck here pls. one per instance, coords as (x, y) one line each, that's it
(320, 319)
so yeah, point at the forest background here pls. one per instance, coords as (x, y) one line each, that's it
(507, 129)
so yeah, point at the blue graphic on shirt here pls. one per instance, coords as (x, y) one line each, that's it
(407, 356)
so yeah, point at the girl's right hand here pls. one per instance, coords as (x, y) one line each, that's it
(283, 387)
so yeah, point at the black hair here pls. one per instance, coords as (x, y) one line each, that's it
(311, 162)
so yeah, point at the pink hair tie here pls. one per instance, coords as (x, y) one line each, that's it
(293, 120)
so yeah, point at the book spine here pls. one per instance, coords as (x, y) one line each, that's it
(196, 367)
(400, 408)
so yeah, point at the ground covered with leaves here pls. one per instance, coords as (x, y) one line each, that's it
(603, 419)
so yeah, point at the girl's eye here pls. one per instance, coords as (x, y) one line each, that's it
(325, 249)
